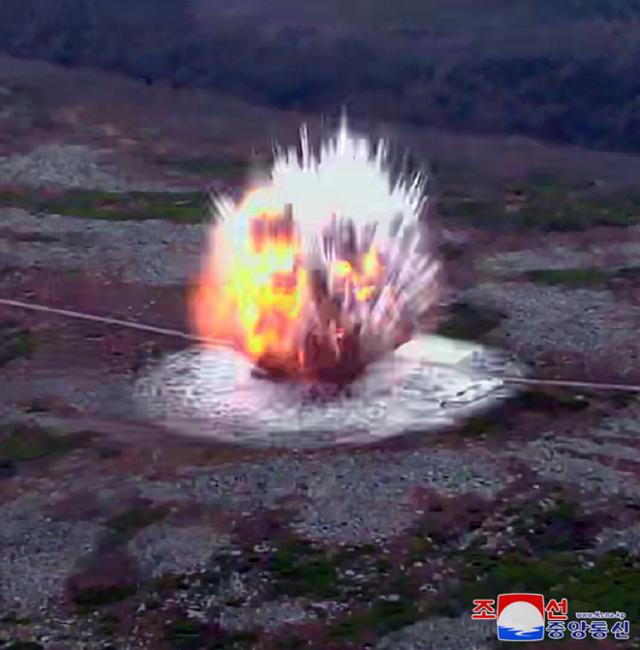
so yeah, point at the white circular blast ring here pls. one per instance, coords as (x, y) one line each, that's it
(427, 383)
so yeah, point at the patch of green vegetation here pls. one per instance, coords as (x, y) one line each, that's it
(623, 400)
(127, 524)
(171, 582)
(544, 202)
(94, 597)
(31, 442)
(567, 215)
(383, 566)
(366, 575)
(563, 510)
(383, 617)
(241, 641)
(303, 570)
(12, 619)
(609, 581)
(185, 635)
(15, 343)
(569, 277)
(559, 527)
(469, 322)
(556, 204)
(544, 185)
(108, 624)
(419, 546)
(185, 207)
(478, 426)
(546, 401)
(477, 212)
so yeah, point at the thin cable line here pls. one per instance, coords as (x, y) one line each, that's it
(572, 383)
(68, 313)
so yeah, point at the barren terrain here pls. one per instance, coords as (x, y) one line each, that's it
(115, 533)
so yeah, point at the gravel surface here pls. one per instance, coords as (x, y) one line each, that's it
(15, 106)
(336, 498)
(153, 252)
(89, 394)
(162, 548)
(269, 615)
(624, 425)
(616, 538)
(568, 256)
(590, 457)
(342, 498)
(553, 462)
(57, 165)
(203, 563)
(543, 319)
(442, 634)
(67, 166)
(38, 553)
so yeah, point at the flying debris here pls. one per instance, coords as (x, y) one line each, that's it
(323, 268)
(317, 282)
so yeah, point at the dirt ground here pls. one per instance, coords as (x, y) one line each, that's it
(118, 533)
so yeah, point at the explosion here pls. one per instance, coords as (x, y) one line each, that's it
(319, 271)
(322, 268)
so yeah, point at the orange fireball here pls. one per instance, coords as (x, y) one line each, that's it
(253, 287)
(318, 271)
(255, 294)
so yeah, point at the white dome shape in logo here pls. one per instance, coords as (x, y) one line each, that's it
(521, 618)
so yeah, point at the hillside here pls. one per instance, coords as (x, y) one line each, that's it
(556, 71)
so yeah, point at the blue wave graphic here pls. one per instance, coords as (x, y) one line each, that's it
(515, 634)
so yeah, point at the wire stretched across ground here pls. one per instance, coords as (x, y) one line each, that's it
(153, 329)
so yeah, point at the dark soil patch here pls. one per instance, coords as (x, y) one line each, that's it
(444, 521)
(549, 401)
(16, 342)
(236, 641)
(27, 442)
(563, 526)
(8, 469)
(469, 322)
(225, 169)
(538, 405)
(141, 515)
(109, 577)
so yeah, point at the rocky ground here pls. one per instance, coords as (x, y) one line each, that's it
(116, 533)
